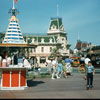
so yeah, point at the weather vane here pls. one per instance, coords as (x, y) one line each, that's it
(14, 11)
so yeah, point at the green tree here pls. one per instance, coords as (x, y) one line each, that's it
(55, 52)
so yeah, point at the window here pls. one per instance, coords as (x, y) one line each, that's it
(30, 50)
(9, 38)
(50, 49)
(11, 25)
(14, 27)
(13, 21)
(19, 32)
(42, 60)
(20, 35)
(12, 35)
(9, 31)
(63, 39)
(18, 28)
(21, 38)
(5, 41)
(14, 31)
(42, 49)
(53, 27)
(15, 38)
(14, 24)
(34, 50)
(9, 34)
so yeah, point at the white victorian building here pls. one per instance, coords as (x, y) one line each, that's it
(56, 36)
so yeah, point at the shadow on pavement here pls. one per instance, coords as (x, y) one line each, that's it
(31, 83)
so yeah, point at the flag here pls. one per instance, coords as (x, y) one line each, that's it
(15, 1)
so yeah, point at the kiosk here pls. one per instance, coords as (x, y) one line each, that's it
(13, 78)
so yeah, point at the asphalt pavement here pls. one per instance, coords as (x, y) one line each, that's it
(72, 87)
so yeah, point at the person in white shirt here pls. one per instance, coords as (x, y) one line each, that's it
(8, 61)
(82, 60)
(27, 64)
(54, 66)
(4, 63)
(48, 64)
(87, 59)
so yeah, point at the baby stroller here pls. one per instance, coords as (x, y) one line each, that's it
(68, 68)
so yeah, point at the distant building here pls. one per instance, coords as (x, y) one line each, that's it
(95, 50)
(82, 47)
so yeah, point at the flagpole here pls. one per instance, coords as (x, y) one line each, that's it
(57, 10)
(13, 5)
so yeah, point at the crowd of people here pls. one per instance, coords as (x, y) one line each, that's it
(59, 67)
(9, 61)
(5, 62)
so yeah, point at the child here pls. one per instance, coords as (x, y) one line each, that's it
(89, 73)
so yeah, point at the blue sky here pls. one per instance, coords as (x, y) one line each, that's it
(80, 17)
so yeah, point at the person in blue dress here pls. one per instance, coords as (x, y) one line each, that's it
(59, 67)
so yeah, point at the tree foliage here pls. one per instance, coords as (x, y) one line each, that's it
(55, 52)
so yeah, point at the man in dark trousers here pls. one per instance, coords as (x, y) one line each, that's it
(90, 71)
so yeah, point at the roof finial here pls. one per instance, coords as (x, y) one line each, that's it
(57, 10)
(14, 11)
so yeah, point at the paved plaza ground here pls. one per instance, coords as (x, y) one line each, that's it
(72, 87)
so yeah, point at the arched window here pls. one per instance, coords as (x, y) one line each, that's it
(53, 27)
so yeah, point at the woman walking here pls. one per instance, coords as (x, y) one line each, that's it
(64, 69)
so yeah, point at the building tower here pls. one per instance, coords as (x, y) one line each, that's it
(13, 34)
(57, 28)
